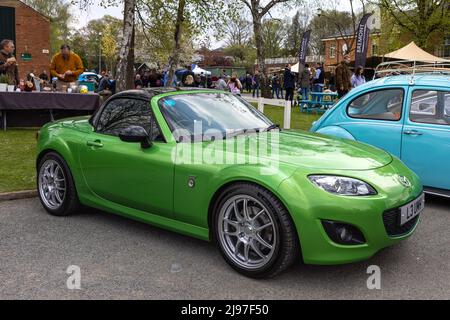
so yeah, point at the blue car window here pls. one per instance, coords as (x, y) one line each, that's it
(378, 105)
(430, 106)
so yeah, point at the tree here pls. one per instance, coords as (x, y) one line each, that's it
(59, 14)
(330, 23)
(236, 32)
(98, 34)
(258, 9)
(109, 47)
(196, 14)
(273, 34)
(294, 29)
(421, 18)
(345, 23)
(126, 56)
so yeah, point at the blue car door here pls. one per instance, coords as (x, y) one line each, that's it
(376, 117)
(426, 135)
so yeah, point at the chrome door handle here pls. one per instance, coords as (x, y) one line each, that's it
(96, 143)
(412, 132)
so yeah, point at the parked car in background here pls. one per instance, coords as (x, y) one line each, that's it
(406, 115)
(90, 76)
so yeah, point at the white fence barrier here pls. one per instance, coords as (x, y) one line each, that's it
(274, 102)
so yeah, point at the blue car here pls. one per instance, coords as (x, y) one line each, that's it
(408, 116)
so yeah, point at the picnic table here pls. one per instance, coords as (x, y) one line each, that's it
(320, 102)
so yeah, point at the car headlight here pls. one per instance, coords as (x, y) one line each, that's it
(343, 186)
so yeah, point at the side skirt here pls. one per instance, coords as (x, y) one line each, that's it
(152, 219)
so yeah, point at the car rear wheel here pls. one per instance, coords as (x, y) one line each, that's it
(254, 231)
(56, 188)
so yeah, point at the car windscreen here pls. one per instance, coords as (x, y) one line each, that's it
(206, 114)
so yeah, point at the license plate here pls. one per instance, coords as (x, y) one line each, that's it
(412, 209)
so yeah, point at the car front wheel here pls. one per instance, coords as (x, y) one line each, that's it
(254, 231)
(56, 188)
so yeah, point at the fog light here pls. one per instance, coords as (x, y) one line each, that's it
(343, 233)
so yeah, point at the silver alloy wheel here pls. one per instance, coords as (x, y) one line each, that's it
(52, 184)
(247, 231)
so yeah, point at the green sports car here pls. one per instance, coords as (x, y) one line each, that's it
(207, 164)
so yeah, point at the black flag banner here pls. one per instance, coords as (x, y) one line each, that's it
(303, 50)
(304, 47)
(362, 40)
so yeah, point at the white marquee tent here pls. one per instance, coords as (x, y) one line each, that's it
(414, 53)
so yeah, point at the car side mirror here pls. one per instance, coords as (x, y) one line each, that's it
(136, 134)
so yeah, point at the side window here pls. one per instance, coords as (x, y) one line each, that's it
(430, 106)
(378, 105)
(119, 114)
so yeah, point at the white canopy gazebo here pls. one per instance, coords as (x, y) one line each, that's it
(414, 53)
(197, 70)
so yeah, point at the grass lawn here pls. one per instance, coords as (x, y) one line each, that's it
(298, 120)
(17, 156)
(18, 150)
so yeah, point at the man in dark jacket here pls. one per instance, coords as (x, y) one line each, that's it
(289, 83)
(8, 64)
(343, 77)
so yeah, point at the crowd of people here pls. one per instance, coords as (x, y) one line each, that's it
(283, 84)
(66, 66)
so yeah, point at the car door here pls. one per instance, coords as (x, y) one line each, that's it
(426, 136)
(125, 173)
(376, 117)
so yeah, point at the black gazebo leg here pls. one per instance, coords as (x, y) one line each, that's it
(51, 116)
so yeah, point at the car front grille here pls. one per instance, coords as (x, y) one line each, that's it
(391, 220)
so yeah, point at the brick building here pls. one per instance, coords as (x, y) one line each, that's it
(30, 31)
(336, 47)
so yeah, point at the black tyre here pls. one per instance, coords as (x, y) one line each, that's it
(254, 231)
(56, 187)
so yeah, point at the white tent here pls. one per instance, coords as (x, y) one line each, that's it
(414, 53)
(199, 70)
(295, 67)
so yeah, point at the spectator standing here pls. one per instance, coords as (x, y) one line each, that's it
(152, 78)
(145, 79)
(343, 77)
(221, 84)
(275, 86)
(138, 84)
(289, 83)
(235, 85)
(304, 81)
(255, 84)
(332, 83)
(358, 78)
(44, 76)
(66, 66)
(248, 83)
(203, 83)
(8, 64)
(281, 78)
(318, 81)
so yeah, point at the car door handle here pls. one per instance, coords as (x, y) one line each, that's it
(412, 132)
(96, 143)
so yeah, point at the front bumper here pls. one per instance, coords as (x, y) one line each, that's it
(372, 215)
